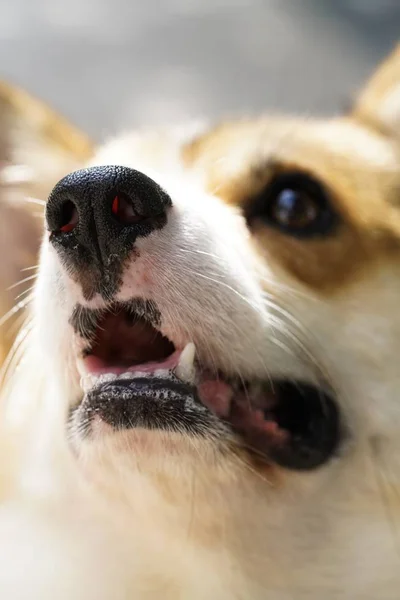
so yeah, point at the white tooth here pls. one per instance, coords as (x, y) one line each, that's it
(126, 375)
(160, 373)
(107, 377)
(132, 374)
(186, 370)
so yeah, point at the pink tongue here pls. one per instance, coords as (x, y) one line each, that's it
(217, 396)
(254, 421)
(246, 414)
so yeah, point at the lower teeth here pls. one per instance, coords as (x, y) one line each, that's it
(185, 371)
(87, 382)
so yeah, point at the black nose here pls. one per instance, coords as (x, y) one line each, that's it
(95, 215)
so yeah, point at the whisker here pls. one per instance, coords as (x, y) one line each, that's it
(16, 308)
(226, 285)
(201, 252)
(302, 345)
(16, 325)
(31, 200)
(15, 353)
(14, 285)
(27, 291)
(285, 323)
(287, 289)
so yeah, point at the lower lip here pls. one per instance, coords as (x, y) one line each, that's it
(214, 394)
(93, 365)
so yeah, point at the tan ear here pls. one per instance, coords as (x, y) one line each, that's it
(37, 147)
(379, 103)
(39, 138)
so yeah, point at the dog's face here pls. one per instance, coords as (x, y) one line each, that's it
(221, 314)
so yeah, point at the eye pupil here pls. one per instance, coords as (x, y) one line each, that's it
(294, 209)
(296, 204)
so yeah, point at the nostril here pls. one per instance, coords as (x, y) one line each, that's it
(68, 216)
(123, 209)
(97, 213)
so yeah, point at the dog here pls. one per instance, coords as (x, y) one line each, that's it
(206, 402)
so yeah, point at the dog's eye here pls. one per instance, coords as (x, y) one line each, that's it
(296, 204)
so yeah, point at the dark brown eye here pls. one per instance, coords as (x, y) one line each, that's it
(296, 204)
(294, 209)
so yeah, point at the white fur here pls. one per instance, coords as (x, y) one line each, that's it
(151, 515)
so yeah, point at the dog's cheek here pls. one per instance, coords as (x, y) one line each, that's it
(54, 334)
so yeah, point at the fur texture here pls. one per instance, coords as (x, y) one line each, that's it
(36, 148)
(149, 514)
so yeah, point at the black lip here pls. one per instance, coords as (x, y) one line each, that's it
(309, 417)
(312, 419)
(147, 402)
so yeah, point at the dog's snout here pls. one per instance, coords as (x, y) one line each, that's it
(95, 215)
(97, 203)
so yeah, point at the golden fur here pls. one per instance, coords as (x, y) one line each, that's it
(146, 515)
(36, 148)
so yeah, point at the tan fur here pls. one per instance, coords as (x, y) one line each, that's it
(351, 161)
(43, 146)
(377, 106)
(151, 514)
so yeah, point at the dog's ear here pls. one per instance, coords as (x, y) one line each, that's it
(36, 138)
(378, 105)
(37, 147)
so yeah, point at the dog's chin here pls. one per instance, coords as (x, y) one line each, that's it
(135, 379)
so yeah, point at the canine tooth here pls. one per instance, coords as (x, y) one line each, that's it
(186, 371)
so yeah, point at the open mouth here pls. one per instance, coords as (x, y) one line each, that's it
(136, 377)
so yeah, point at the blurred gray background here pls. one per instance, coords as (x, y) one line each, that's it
(110, 64)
